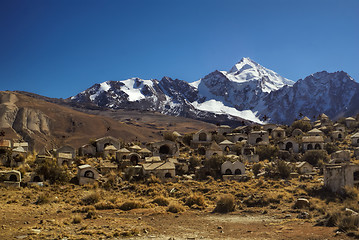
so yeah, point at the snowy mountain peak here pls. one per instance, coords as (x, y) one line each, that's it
(248, 70)
(244, 63)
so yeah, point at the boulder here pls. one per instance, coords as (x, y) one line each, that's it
(302, 203)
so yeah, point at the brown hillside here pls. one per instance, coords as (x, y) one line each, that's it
(43, 123)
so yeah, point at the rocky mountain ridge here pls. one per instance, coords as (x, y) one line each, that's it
(247, 91)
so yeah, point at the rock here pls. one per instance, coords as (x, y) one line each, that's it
(37, 231)
(139, 218)
(219, 227)
(22, 237)
(302, 203)
(303, 215)
(350, 212)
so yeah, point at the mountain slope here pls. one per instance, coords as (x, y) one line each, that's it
(220, 94)
(242, 87)
(248, 91)
(331, 93)
(41, 122)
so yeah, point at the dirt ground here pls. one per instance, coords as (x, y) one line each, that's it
(20, 218)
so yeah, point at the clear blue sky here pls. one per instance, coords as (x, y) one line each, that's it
(60, 48)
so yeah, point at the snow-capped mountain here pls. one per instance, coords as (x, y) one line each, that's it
(242, 87)
(247, 91)
(334, 94)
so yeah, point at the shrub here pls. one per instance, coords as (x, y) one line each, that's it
(348, 223)
(351, 192)
(91, 198)
(269, 152)
(104, 205)
(152, 179)
(129, 205)
(302, 125)
(51, 171)
(283, 169)
(43, 199)
(256, 168)
(256, 201)
(331, 148)
(175, 208)
(76, 220)
(85, 209)
(214, 163)
(193, 163)
(161, 201)
(187, 138)
(314, 156)
(225, 204)
(91, 214)
(112, 181)
(195, 199)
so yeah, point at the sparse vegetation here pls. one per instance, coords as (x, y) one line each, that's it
(314, 156)
(91, 198)
(161, 201)
(195, 199)
(302, 125)
(256, 168)
(175, 208)
(225, 204)
(52, 172)
(267, 152)
(129, 205)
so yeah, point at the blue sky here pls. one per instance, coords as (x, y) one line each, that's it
(60, 48)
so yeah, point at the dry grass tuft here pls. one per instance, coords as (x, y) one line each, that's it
(161, 201)
(91, 198)
(129, 205)
(225, 204)
(175, 208)
(76, 220)
(195, 199)
(43, 199)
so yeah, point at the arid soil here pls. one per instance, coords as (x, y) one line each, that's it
(59, 212)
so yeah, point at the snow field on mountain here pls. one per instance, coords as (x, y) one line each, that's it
(218, 107)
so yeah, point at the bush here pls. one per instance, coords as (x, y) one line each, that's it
(351, 192)
(348, 223)
(193, 163)
(91, 198)
(51, 171)
(129, 205)
(331, 148)
(112, 181)
(76, 220)
(256, 168)
(225, 204)
(175, 208)
(283, 169)
(43, 199)
(195, 199)
(187, 138)
(302, 125)
(214, 163)
(104, 205)
(269, 152)
(314, 156)
(161, 201)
